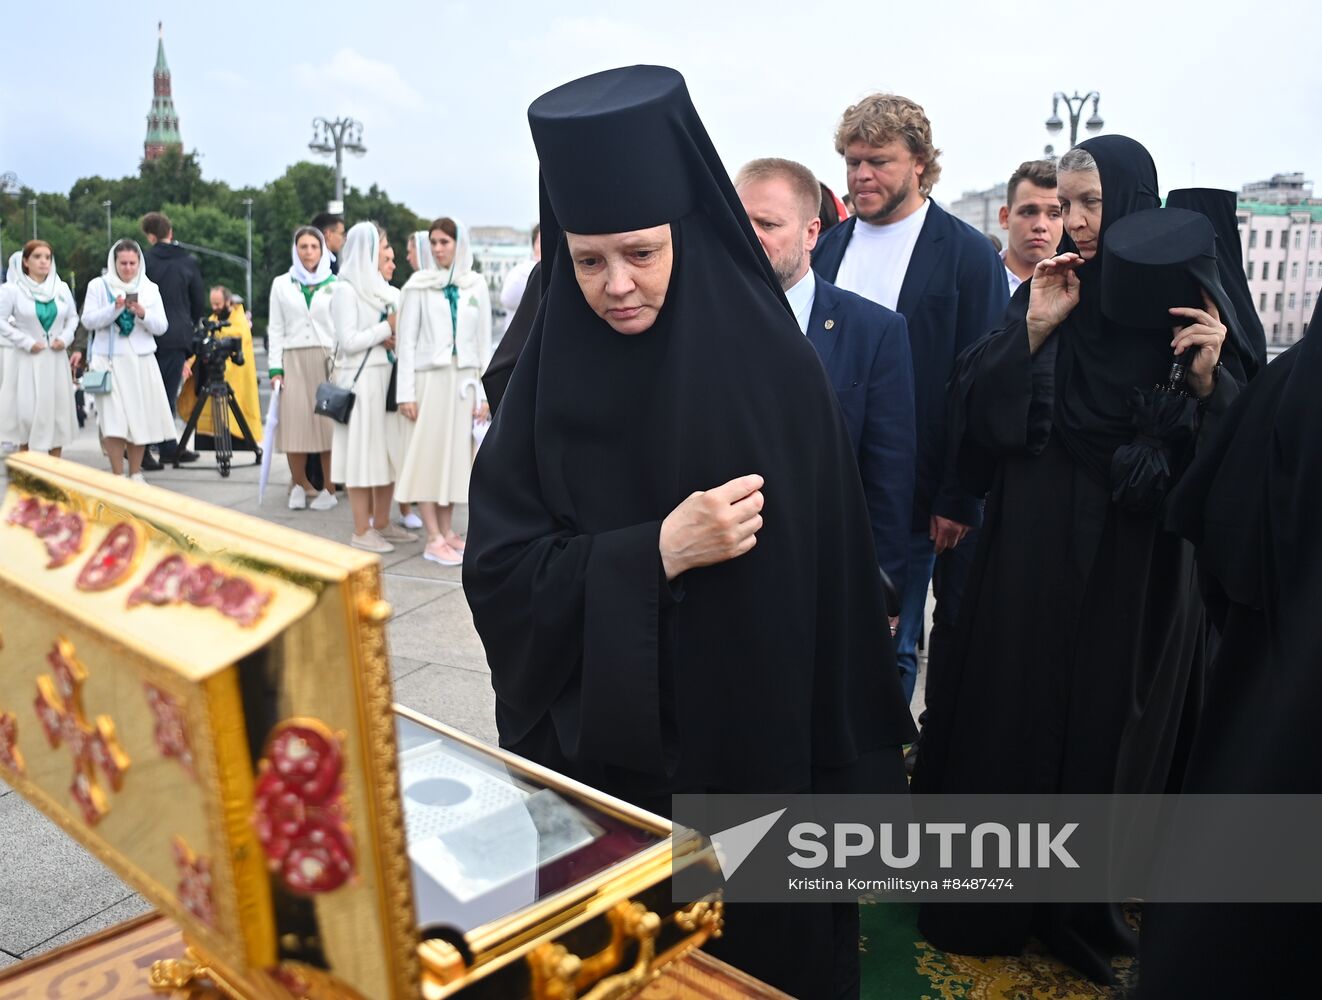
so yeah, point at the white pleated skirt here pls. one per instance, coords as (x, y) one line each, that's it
(440, 455)
(36, 400)
(368, 450)
(136, 407)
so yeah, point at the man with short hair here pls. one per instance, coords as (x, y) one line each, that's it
(175, 272)
(331, 227)
(1031, 219)
(864, 348)
(905, 252)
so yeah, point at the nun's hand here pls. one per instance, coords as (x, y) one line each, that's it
(712, 526)
(37, 347)
(1052, 296)
(1202, 339)
(409, 410)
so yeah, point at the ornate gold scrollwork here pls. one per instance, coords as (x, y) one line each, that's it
(560, 975)
(706, 916)
(173, 974)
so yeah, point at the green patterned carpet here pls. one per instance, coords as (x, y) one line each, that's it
(899, 965)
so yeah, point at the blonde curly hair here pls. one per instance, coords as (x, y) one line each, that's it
(881, 118)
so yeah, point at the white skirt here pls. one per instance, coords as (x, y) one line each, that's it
(136, 408)
(369, 450)
(440, 454)
(36, 400)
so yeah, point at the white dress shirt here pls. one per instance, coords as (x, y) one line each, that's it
(801, 296)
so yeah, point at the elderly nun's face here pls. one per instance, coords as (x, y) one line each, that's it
(309, 252)
(1080, 194)
(624, 276)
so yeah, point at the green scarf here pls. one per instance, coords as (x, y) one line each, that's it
(452, 296)
(46, 313)
(311, 290)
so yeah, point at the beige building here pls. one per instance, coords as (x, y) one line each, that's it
(1282, 246)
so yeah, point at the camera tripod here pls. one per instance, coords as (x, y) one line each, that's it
(218, 394)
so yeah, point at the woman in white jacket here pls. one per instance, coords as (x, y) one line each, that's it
(124, 314)
(301, 338)
(366, 452)
(444, 345)
(38, 318)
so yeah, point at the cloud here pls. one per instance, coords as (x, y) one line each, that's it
(361, 86)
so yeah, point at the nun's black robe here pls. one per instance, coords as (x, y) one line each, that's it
(1081, 635)
(772, 672)
(1251, 505)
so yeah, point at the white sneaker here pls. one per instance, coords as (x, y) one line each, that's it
(371, 541)
(411, 521)
(325, 500)
(298, 498)
(138, 477)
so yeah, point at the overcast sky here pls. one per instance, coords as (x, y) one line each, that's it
(443, 87)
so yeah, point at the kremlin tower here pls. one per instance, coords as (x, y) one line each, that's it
(163, 122)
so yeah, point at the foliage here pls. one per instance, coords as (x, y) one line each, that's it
(205, 213)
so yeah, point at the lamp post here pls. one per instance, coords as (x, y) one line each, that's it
(110, 236)
(1074, 106)
(32, 203)
(247, 204)
(334, 137)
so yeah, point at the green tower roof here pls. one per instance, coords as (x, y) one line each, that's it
(163, 120)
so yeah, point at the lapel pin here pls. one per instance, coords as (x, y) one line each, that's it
(830, 323)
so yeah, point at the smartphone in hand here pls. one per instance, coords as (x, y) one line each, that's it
(130, 298)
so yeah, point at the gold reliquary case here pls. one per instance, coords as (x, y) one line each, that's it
(203, 701)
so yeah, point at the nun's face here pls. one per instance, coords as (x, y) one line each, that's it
(309, 252)
(126, 265)
(387, 261)
(442, 247)
(412, 254)
(624, 276)
(1080, 194)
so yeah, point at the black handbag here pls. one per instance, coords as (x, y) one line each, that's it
(392, 405)
(335, 401)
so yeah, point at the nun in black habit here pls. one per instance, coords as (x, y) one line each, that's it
(1081, 629)
(1250, 505)
(768, 671)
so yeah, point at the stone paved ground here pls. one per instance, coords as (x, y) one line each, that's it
(53, 892)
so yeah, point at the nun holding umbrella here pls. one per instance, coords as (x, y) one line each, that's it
(669, 564)
(1080, 647)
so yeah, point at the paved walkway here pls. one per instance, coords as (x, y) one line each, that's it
(52, 892)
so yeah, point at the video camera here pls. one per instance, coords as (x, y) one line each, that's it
(212, 351)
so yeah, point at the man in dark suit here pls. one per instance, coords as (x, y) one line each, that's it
(175, 272)
(903, 251)
(864, 348)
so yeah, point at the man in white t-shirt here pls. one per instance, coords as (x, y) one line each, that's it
(1031, 220)
(905, 252)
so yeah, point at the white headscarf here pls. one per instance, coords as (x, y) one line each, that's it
(459, 273)
(116, 286)
(15, 267)
(300, 273)
(38, 291)
(359, 267)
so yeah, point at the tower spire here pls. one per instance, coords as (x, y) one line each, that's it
(163, 120)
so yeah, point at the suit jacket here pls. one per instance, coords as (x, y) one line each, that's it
(954, 292)
(864, 348)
